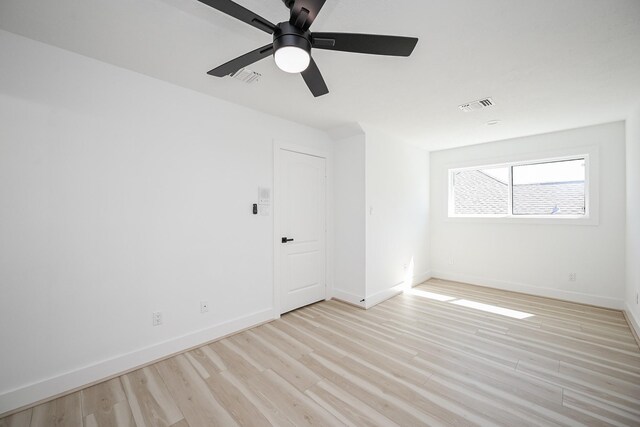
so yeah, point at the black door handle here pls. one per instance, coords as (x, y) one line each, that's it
(285, 240)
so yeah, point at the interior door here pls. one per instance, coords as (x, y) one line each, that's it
(303, 241)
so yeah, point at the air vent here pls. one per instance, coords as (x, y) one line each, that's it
(477, 105)
(246, 76)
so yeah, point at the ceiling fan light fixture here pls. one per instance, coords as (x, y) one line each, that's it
(292, 59)
(292, 48)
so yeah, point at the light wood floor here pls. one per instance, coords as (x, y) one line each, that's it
(413, 360)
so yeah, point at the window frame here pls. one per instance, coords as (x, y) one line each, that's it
(510, 216)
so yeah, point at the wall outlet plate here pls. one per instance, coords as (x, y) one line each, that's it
(157, 318)
(204, 306)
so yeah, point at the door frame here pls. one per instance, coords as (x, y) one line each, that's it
(278, 147)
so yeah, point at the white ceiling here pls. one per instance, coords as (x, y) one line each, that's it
(548, 64)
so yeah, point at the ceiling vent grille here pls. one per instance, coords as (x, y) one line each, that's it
(246, 76)
(477, 105)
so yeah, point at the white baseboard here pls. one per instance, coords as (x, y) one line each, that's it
(348, 298)
(382, 296)
(634, 321)
(79, 378)
(600, 301)
(420, 278)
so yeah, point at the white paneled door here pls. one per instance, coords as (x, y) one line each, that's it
(302, 229)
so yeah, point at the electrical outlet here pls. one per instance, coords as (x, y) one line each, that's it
(204, 306)
(452, 261)
(157, 318)
(572, 277)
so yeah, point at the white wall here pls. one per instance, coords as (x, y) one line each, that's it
(381, 223)
(349, 220)
(121, 195)
(535, 257)
(397, 200)
(633, 217)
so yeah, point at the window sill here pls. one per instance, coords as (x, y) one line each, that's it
(524, 219)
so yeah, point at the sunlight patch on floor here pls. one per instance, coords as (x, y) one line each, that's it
(492, 309)
(429, 295)
(515, 314)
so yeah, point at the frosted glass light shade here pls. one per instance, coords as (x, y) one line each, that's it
(292, 59)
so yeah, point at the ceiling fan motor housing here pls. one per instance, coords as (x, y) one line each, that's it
(287, 34)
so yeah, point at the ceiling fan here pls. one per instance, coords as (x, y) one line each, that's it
(292, 42)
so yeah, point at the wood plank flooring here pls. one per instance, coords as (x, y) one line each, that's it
(434, 356)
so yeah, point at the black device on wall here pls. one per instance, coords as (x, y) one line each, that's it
(292, 42)
(255, 209)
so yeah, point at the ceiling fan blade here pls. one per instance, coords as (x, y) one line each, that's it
(242, 61)
(239, 12)
(304, 12)
(365, 43)
(313, 78)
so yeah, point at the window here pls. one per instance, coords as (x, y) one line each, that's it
(542, 188)
(481, 191)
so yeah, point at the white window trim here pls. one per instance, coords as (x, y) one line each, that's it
(591, 217)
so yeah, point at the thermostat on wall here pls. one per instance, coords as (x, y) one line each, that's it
(264, 201)
(264, 196)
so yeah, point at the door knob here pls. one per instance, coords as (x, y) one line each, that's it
(285, 240)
